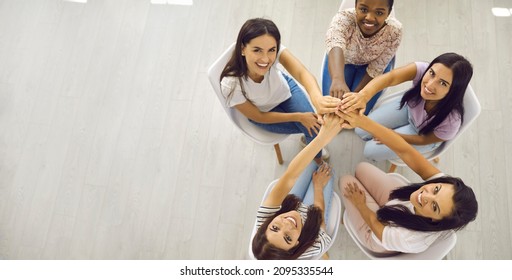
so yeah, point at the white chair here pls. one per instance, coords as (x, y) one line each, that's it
(472, 110)
(437, 251)
(257, 134)
(331, 228)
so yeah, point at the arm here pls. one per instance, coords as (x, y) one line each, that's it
(323, 104)
(308, 119)
(337, 72)
(331, 128)
(342, 27)
(395, 142)
(364, 81)
(354, 101)
(354, 193)
(320, 179)
(426, 139)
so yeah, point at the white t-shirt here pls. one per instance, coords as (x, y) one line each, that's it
(272, 91)
(404, 240)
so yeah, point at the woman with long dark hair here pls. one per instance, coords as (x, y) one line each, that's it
(428, 114)
(394, 218)
(291, 220)
(268, 97)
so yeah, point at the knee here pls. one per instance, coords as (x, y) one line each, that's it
(362, 134)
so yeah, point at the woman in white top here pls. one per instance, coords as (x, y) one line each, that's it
(393, 218)
(271, 99)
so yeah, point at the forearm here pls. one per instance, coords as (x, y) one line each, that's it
(319, 202)
(420, 139)
(364, 81)
(337, 64)
(275, 117)
(414, 159)
(306, 155)
(371, 220)
(311, 85)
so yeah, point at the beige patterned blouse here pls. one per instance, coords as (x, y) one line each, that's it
(376, 51)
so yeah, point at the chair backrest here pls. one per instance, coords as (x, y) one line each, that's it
(331, 227)
(437, 250)
(472, 110)
(254, 132)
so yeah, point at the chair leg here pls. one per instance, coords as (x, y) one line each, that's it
(392, 168)
(278, 153)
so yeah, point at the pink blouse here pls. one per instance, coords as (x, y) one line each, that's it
(376, 51)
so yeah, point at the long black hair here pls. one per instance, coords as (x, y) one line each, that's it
(453, 101)
(464, 210)
(252, 28)
(263, 250)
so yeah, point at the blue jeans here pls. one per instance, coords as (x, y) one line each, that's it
(298, 102)
(390, 116)
(304, 189)
(353, 76)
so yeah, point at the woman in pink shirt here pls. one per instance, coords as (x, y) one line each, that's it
(361, 44)
(428, 114)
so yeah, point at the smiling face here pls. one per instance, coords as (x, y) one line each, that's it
(371, 16)
(284, 230)
(260, 53)
(434, 200)
(436, 82)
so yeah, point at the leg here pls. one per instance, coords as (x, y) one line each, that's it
(299, 102)
(388, 115)
(328, 191)
(380, 152)
(326, 77)
(376, 182)
(362, 230)
(302, 184)
(373, 100)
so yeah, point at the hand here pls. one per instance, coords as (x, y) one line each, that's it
(310, 121)
(354, 101)
(353, 193)
(332, 125)
(321, 176)
(352, 119)
(326, 104)
(338, 88)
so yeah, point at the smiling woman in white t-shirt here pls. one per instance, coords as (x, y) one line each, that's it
(394, 218)
(268, 97)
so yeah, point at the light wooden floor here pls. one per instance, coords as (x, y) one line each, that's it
(113, 145)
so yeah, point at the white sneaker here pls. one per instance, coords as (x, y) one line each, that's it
(325, 154)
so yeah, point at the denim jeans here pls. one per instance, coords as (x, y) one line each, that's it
(390, 116)
(298, 102)
(303, 188)
(353, 76)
